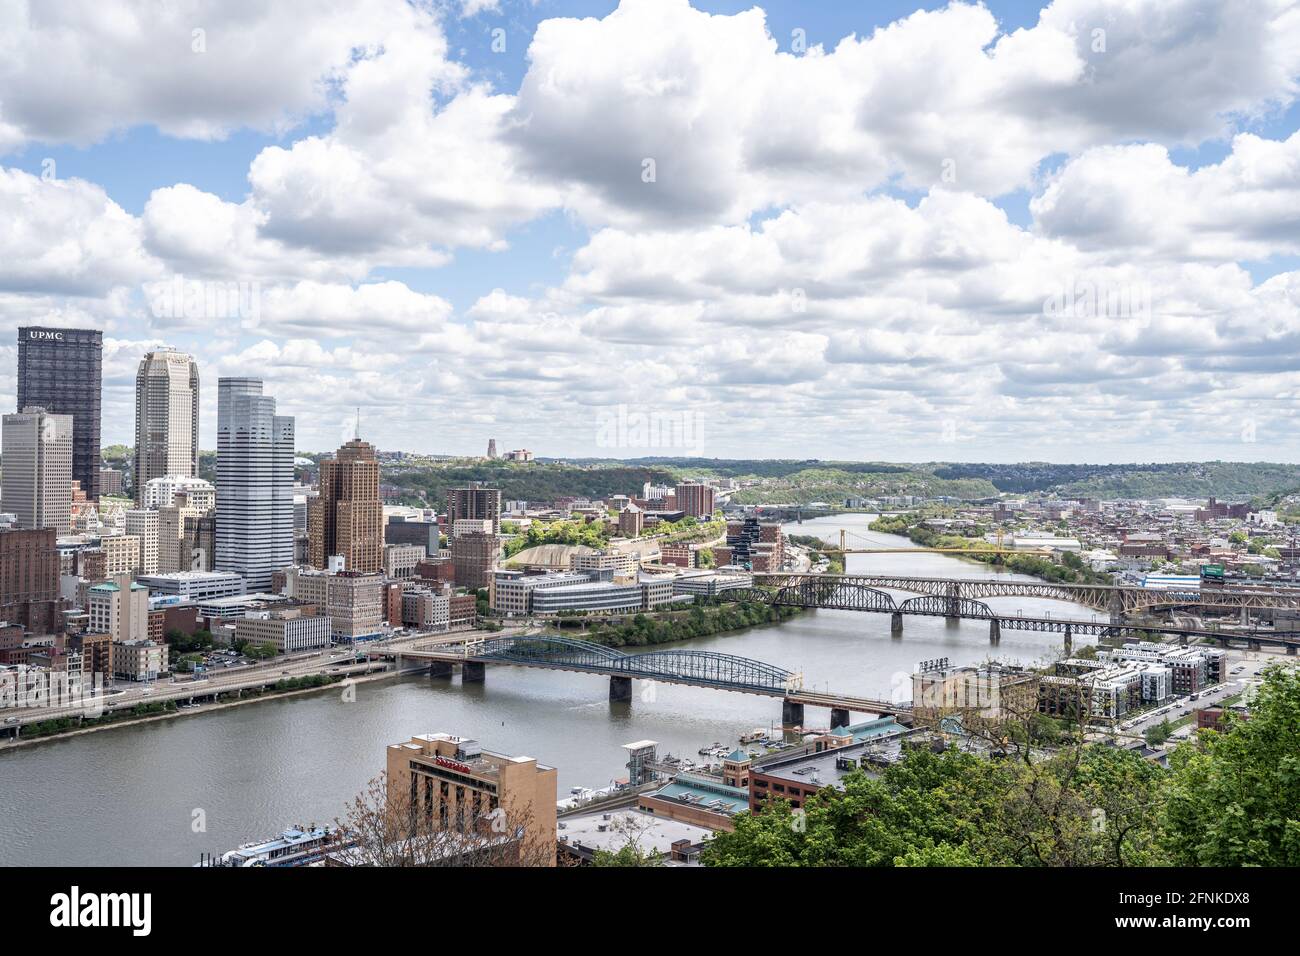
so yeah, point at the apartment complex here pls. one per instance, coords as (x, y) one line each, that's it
(475, 501)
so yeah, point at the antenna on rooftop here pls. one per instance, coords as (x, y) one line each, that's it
(358, 423)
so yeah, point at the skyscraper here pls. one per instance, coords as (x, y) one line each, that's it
(347, 517)
(166, 418)
(254, 534)
(61, 370)
(37, 474)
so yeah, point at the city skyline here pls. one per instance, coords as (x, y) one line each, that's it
(496, 211)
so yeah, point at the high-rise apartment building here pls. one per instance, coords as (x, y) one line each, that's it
(37, 473)
(347, 517)
(695, 499)
(173, 554)
(254, 533)
(166, 418)
(475, 501)
(60, 370)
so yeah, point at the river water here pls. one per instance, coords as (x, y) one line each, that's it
(131, 795)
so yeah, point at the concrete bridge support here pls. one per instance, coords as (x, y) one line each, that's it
(839, 717)
(1255, 645)
(995, 631)
(1182, 639)
(440, 669)
(1069, 640)
(791, 714)
(620, 688)
(896, 624)
(1290, 650)
(472, 672)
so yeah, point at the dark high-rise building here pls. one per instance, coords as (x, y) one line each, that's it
(475, 502)
(61, 370)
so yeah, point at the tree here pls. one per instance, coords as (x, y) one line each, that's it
(1234, 796)
(382, 827)
(1157, 734)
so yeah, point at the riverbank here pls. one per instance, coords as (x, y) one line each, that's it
(1072, 571)
(250, 698)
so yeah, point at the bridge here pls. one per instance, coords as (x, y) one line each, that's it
(1116, 599)
(850, 593)
(693, 668)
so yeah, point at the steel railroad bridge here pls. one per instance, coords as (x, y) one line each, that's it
(1115, 599)
(851, 593)
(693, 668)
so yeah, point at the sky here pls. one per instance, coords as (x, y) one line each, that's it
(810, 229)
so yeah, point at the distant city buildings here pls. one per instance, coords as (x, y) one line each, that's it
(162, 491)
(60, 370)
(166, 418)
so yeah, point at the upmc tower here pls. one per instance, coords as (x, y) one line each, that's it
(61, 370)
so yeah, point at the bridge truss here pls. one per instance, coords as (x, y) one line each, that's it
(701, 668)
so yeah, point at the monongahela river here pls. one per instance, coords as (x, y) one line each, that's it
(127, 796)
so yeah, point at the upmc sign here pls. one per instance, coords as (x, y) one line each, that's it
(44, 335)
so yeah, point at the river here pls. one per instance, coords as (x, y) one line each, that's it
(128, 796)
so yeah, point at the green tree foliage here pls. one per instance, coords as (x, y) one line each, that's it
(1234, 798)
(1230, 799)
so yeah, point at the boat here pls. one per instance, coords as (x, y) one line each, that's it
(293, 847)
(754, 736)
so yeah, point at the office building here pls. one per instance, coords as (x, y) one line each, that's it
(353, 601)
(475, 501)
(194, 586)
(121, 554)
(139, 659)
(36, 486)
(413, 531)
(460, 786)
(60, 370)
(162, 491)
(29, 579)
(177, 546)
(400, 560)
(289, 629)
(474, 556)
(346, 518)
(166, 418)
(254, 527)
(426, 608)
(119, 608)
(143, 524)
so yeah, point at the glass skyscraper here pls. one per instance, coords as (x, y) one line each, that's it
(61, 370)
(254, 535)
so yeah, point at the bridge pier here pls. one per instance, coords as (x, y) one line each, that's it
(1290, 650)
(995, 631)
(1255, 645)
(472, 672)
(953, 615)
(1069, 640)
(896, 624)
(791, 714)
(440, 668)
(839, 717)
(1182, 639)
(620, 688)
